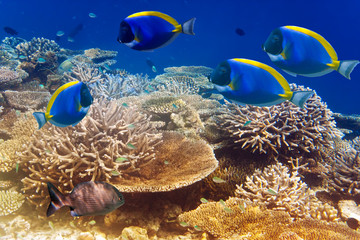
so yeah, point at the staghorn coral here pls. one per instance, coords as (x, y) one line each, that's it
(231, 220)
(179, 162)
(10, 201)
(283, 131)
(276, 189)
(84, 72)
(343, 172)
(111, 142)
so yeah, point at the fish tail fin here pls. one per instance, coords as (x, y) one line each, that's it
(300, 97)
(188, 27)
(346, 67)
(57, 200)
(40, 118)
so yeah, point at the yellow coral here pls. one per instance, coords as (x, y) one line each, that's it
(10, 201)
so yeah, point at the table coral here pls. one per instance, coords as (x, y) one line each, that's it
(111, 142)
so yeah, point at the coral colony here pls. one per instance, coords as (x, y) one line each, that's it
(189, 167)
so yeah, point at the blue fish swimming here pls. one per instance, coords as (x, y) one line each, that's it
(149, 30)
(86, 199)
(298, 50)
(67, 106)
(250, 82)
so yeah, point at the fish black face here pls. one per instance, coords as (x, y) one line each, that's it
(221, 74)
(273, 44)
(85, 97)
(125, 33)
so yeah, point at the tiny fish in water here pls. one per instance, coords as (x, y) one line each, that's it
(228, 210)
(125, 105)
(129, 145)
(197, 228)
(17, 167)
(204, 200)
(218, 180)
(239, 32)
(86, 199)
(10, 31)
(222, 203)
(174, 105)
(92, 15)
(92, 222)
(131, 126)
(115, 173)
(41, 60)
(51, 225)
(60, 33)
(272, 192)
(246, 123)
(121, 159)
(184, 224)
(166, 162)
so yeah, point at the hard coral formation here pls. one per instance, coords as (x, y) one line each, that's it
(232, 220)
(112, 142)
(179, 162)
(26, 100)
(36, 48)
(277, 189)
(97, 55)
(283, 131)
(193, 70)
(9, 78)
(10, 201)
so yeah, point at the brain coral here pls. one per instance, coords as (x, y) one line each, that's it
(111, 142)
(283, 131)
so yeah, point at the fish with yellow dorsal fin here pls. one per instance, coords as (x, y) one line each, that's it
(149, 30)
(300, 51)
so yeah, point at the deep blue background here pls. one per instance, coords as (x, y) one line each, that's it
(215, 39)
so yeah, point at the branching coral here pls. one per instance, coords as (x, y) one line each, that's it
(283, 130)
(84, 73)
(111, 142)
(36, 48)
(276, 189)
(10, 201)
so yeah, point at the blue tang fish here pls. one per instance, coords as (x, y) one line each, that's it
(86, 199)
(298, 50)
(149, 30)
(250, 82)
(67, 106)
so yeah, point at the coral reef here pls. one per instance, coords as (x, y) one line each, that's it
(191, 70)
(35, 49)
(283, 131)
(9, 78)
(26, 100)
(349, 122)
(98, 56)
(112, 142)
(232, 220)
(276, 189)
(10, 201)
(179, 162)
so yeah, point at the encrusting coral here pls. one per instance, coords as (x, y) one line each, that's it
(109, 143)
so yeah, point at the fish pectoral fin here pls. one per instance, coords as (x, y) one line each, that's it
(286, 95)
(334, 65)
(178, 29)
(283, 55)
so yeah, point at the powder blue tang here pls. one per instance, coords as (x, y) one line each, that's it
(246, 81)
(67, 106)
(301, 51)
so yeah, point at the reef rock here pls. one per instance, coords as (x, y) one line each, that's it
(26, 100)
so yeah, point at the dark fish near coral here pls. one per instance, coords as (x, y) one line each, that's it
(10, 31)
(67, 106)
(300, 51)
(150, 30)
(75, 32)
(239, 32)
(86, 199)
(352, 223)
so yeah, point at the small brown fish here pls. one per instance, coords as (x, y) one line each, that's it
(86, 199)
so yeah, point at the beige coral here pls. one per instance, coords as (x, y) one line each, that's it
(111, 142)
(283, 130)
(10, 201)
(277, 189)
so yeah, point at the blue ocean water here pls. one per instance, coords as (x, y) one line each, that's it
(215, 38)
